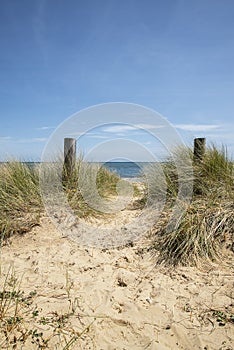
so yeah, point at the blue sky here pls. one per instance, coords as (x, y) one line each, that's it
(58, 57)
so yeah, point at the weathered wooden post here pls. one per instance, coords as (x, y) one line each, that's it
(198, 154)
(199, 148)
(69, 156)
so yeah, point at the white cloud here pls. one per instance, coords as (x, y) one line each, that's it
(8, 139)
(32, 140)
(118, 128)
(197, 127)
(126, 127)
(97, 136)
(5, 139)
(45, 128)
(149, 126)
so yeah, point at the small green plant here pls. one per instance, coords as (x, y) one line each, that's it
(23, 325)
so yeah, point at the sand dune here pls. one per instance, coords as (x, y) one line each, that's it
(129, 302)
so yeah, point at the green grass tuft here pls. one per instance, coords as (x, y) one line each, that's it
(20, 202)
(207, 222)
(20, 199)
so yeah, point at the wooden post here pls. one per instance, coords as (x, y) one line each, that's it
(69, 156)
(199, 148)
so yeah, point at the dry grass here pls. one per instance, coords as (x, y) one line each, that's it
(20, 202)
(20, 197)
(201, 233)
(207, 223)
(24, 324)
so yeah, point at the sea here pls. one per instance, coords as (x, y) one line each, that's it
(126, 170)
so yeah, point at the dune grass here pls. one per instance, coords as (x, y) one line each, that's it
(20, 198)
(85, 176)
(207, 223)
(20, 202)
(22, 323)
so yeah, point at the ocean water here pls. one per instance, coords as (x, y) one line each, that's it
(125, 170)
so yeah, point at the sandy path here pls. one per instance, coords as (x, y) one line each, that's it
(136, 305)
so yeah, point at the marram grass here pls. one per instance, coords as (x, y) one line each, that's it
(20, 198)
(205, 226)
(201, 232)
(20, 202)
(207, 223)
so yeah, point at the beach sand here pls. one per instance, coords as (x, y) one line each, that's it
(128, 302)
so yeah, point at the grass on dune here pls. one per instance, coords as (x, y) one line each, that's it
(105, 180)
(207, 222)
(20, 197)
(23, 324)
(214, 175)
(204, 227)
(89, 177)
(20, 202)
